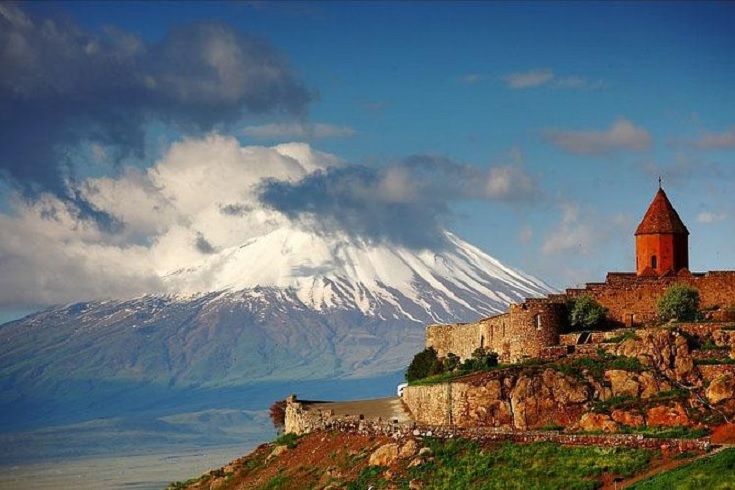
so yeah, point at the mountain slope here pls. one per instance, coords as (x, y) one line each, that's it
(287, 305)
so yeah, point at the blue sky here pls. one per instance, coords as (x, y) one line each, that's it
(566, 113)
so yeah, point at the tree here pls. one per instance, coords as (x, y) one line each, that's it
(424, 364)
(481, 359)
(584, 312)
(278, 414)
(679, 303)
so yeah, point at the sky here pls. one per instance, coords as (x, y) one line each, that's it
(139, 137)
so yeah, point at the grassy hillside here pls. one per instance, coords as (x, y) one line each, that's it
(337, 460)
(713, 473)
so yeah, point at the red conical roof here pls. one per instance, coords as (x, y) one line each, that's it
(661, 217)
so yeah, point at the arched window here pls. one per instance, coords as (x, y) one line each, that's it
(654, 262)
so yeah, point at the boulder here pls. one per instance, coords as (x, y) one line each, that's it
(722, 388)
(668, 416)
(629, 419)
(409, 449)
(385, 455)
(597, 422)
(623, 383)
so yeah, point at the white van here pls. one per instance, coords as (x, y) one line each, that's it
(399, 389)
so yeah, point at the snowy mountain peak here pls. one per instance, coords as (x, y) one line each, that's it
(344, 272)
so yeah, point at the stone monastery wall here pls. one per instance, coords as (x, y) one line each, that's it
(521, 333)
(528, 329)
(631, 300)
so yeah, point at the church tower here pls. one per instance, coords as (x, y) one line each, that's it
(661, 240)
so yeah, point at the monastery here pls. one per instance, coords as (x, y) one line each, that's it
(532, 329)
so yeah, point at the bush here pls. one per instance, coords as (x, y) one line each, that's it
(481, 359)
(585, 313)
(424, 364)
(679, 303)
(278, 414)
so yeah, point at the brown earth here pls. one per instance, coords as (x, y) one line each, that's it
(327, 460)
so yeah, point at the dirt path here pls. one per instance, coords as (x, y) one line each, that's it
(386, 409)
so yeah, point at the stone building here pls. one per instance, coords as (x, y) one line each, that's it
(532, 329)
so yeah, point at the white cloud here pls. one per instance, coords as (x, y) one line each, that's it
(543, 77)
(200, 196)
(472, 78)
(707, 217)
(296, 130)
(533, 78)
(622, 135)
(714, 141)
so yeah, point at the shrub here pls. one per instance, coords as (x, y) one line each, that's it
(481, 359)
(679, 303)
(425, 363)
(584, 312)
(451, 362)
(278, 414)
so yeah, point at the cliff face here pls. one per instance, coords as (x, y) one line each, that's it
(650, 378)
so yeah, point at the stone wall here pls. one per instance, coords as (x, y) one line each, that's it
(298, 416)
(522, 333)
(631, 300)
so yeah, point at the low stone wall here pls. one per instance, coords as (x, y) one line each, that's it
(401, 431)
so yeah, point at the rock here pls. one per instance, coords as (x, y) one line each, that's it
(722, 388)
(409, 449)
(549, 399)
(384, 455)
(596, 422)
(650, 385)
(629, 419)
(415, 484)
(668, 416)
(415, 462)
(623, 383)
(217, 483)
(277, 451)
(425, 451)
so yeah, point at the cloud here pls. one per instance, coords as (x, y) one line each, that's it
(473, 78)
(206, 195)
(714, 141)
(64, 87)
(543, 77)
(407, 202)
(198, 199)
(707, 217)
(529, 79)
(298, 131)
(622, 135)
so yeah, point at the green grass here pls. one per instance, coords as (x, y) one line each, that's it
(713, 473)
(462, 464)
(370, 477)
(289, 440)
(278, 482)
(714, 361)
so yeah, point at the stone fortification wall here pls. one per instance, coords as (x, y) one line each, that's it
(631, 300)
(520, 334)
(298, 416)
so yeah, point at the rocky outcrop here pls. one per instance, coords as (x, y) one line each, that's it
(649, 379)
(722, 388)
(666, 351)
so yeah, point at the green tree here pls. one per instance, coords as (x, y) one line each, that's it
(424, 364)
(584, 312)
(679, 303)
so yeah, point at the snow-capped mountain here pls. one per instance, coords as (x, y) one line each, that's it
(343, 272)
(286, 305)
(245, 326)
